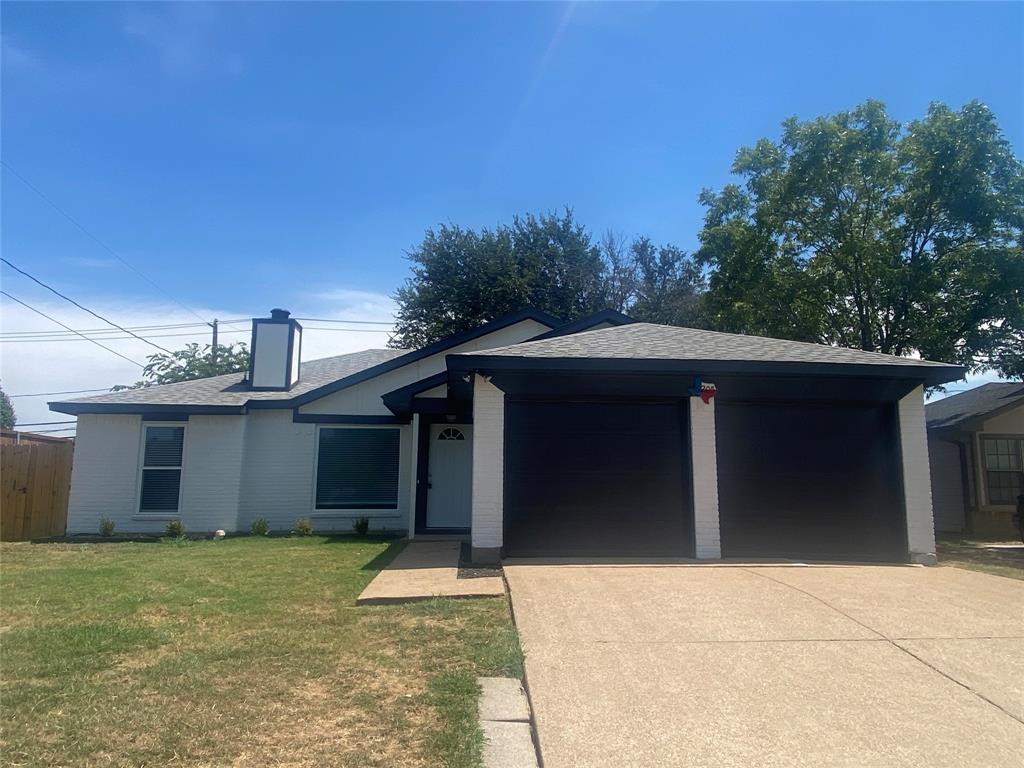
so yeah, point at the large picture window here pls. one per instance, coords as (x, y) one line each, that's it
(1004, 469)
(161, 470)
(357, 468)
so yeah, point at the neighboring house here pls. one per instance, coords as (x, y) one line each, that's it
(533, 437)
(976, 445)
(16, 437)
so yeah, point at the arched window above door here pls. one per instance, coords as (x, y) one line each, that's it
(451, 433)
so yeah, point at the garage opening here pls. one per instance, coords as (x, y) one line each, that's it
(810, 481)
(597, 479)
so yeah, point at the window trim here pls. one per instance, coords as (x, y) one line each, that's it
(983, 469)
(321, 513)
(176, 515)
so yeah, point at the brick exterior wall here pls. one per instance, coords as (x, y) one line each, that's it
(917, 490)
(704, 461)
(488, 464)
(105, 474)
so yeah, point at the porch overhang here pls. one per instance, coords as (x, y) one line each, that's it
(410, 399)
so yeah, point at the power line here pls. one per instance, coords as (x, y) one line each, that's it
(175, 326)
(94, 314)
(58, 322)
(95, 239)
(353, 322)
(166, 326)
(45, 340)
(65, 392)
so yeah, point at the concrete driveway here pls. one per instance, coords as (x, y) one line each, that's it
(772, 666)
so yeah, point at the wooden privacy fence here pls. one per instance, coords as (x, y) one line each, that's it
(35, 480)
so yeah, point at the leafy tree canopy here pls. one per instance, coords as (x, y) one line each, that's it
(192, 362)
(856, 231)
(7, 415)
(462, 278)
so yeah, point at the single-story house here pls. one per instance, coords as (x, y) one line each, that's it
(533, 437)
(976, 449)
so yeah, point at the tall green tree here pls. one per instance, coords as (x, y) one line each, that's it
(462, 278)
(192, 362)
(7, 416)
(669, 285)
(856, 231)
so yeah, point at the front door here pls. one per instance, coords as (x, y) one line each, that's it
(450, 475)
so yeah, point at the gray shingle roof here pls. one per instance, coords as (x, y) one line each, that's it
(973, 404)
(229, 389)
(647, 341)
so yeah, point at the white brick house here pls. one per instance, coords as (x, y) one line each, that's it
(601, 437)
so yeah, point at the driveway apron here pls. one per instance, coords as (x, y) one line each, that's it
(772, 666)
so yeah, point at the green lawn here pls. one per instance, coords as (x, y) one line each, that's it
(244, 652)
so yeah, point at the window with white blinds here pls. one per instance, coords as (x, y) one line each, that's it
(357, 468)
(161, 470)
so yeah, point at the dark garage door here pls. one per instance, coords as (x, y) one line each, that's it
(810, 481)
(596, 479)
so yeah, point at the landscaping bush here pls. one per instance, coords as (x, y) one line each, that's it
(361, 526)
(106, 527)
(175, 529)
(260, 527)
(303, 527)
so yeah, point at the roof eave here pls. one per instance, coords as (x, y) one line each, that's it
(431, 349)
(928, 375)
(146, 409)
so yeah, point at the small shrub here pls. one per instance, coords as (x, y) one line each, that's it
(175, 529)
(106, 527)
(361, 526)
(303, 527)
(260, 527)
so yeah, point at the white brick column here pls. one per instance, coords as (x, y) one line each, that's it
(488, 469)
(414, 485)
(704, 463)
(917, 487)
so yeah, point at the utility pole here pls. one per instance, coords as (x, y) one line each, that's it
(213, 353)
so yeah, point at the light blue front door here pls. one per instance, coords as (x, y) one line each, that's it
(450, 478)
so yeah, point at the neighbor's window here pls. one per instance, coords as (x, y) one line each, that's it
(161, 470)
(1004, 469)
(357, 468)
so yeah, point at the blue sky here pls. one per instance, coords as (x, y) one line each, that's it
(245, 156)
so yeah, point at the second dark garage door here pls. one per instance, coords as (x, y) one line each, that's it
(810, 481)
(597, 479)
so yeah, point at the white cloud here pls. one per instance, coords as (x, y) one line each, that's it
(15, 55)
(182, 35)
(53, 366)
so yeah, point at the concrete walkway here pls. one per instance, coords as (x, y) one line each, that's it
(505, 721)
(426, 569)
(772, 666)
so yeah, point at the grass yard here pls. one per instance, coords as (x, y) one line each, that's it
(1000, 558)
(243, 652)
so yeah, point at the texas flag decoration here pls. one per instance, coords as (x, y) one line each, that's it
(704, 391)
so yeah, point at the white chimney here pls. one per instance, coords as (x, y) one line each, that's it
(276, 349)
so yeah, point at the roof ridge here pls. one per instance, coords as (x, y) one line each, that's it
(632, 327)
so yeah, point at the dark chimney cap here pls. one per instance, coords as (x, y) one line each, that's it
(279, 314)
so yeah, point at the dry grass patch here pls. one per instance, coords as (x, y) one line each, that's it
(999, 558)
(244, 652)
